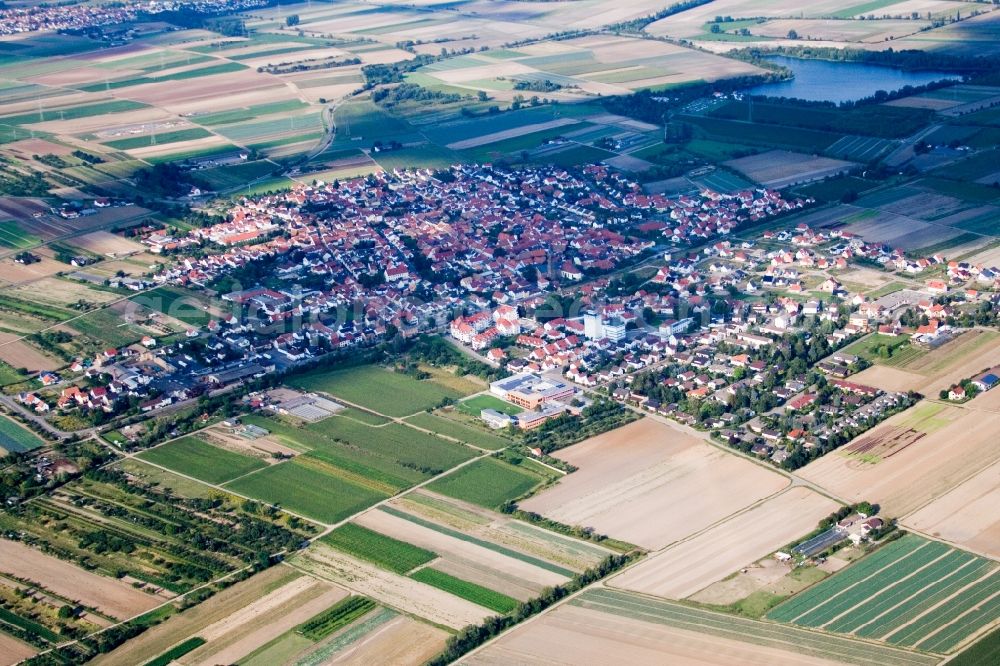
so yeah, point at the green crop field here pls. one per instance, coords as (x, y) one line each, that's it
(488, 482)
(307, 489)
(339, 615)
(248, 113)
(377, 388)
(261, 129)
(367, 467)
(9, 375)
(903, 594)
(768, 135)
(469, 434)
(477, 594)
(107, 327)
(223, 68)
(16, 238)
(815, 644)
(15, 438)
(985, 652)
(130, 143)
(896, 345)
(407, 446)
(193, 457)
(386, 552)
(179, 303)
(73, 112)
(235, 175)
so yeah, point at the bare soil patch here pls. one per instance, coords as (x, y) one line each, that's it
(682, 570)
(20, 354)
(110, 595)
(13, 651)
(636, 483)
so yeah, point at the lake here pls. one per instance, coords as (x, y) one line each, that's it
(831, 81)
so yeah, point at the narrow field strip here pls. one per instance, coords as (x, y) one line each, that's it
(541, 564)
(749, 631)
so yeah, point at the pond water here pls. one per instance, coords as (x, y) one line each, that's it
(832, 81)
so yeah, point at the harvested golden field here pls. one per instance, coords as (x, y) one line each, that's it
(106, 243)
(684, 569)
(572, 635)
(638, 483)
(112, 596)
(967, 515)
(959, 442)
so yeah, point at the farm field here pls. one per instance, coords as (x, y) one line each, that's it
(650, 467)
(488, 482)
(965, 515)
(310, 488)
(114, 597)
(470, 434)
(393, 590)
(682, 570)
(477, 594)
(598, 64)
(497, 532)
(13, 650)
(264, 619)
(380, 637)
(610, 625)
(778, 168)
(193, 457)
(913, 457)
(182, 626)
(378, 389)
(15, 438)
(928, 373)
(385, 551)
(929, 596)
(477, 552)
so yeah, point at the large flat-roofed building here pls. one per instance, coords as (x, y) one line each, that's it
(529, 390)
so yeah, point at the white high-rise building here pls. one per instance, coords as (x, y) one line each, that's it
(593, 329)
